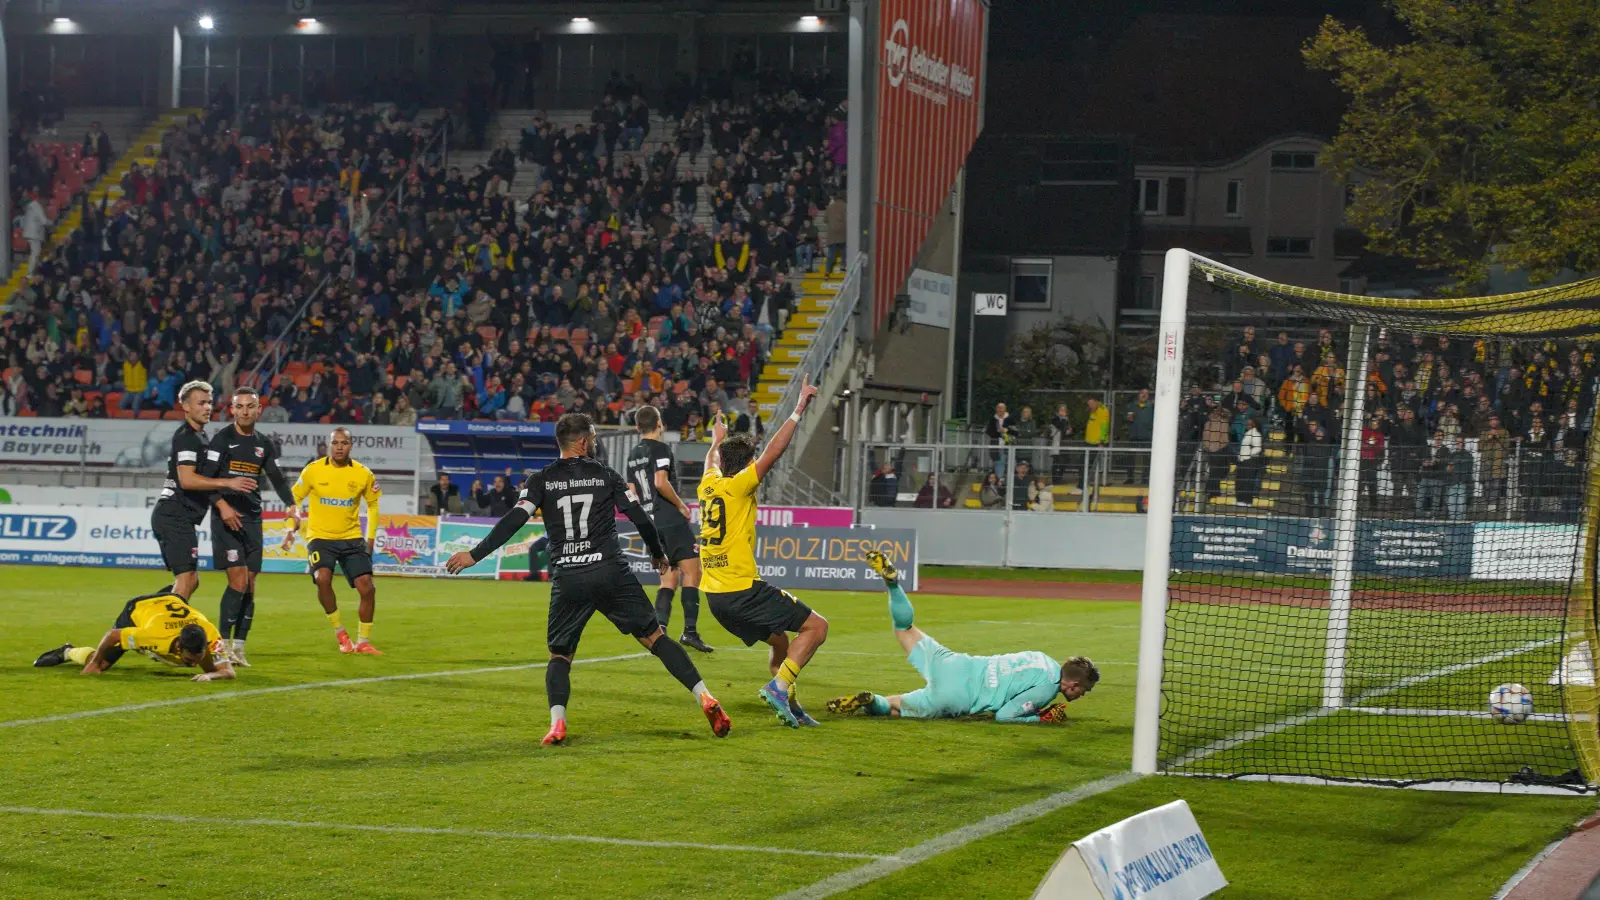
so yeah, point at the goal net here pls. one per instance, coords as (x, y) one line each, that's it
(1364, 518)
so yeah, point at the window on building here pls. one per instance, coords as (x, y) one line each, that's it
(1030, 283)
(1294, 160)
(1150, 196)
(1289, 246)
(1146, 298)
(1234, 205)
(1177, 196)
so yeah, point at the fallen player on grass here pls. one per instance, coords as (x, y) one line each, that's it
(1015, 687)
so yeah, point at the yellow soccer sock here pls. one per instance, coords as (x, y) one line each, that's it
(80, 655)
(333, 619)
(363, 632)
(788, 673)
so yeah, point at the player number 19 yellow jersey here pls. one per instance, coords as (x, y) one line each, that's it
(728, 530)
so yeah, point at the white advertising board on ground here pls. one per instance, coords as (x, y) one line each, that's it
(144, 443)
(1158, 854)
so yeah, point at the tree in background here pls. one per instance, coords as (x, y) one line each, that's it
(1478, 135)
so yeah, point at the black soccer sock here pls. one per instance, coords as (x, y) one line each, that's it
(672, 655)
(664, 605)
(247, 612)
(558, 681)
(691, 610)
(232, 608)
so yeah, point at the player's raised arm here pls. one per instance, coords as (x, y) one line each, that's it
(719, 430)
(785, 433)
(503, 530)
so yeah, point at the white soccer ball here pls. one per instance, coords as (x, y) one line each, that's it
(1510, 704)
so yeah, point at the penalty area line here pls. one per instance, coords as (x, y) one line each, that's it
(955, 840)
(424, 830)
(288, 688)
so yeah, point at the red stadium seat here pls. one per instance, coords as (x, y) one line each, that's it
(149, 414)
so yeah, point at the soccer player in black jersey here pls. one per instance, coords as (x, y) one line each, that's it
(239, 449)
(580, 498)
(653, 473)
(186, 494)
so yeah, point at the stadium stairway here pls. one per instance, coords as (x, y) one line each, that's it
(814, 295)
(141, 148)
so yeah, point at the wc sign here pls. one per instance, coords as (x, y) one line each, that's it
(988, 304)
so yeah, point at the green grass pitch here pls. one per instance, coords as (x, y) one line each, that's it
(284, 786)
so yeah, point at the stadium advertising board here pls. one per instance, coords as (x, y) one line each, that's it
(145, 498)
(1158, 854)
(825, 559)
(84, 536)
(145, 443)
(1398, 548)
(789, 556)
(930, 67)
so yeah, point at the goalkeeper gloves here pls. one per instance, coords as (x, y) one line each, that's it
(1054, 714)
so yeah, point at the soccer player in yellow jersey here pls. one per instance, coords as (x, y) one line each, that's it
(749, 608)
(162, 626)
(336, 486)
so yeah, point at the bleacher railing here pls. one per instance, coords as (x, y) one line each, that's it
(786, 483)
(953, 476)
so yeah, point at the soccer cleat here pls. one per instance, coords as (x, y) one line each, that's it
(236, 657)
(367, 648)
(776, 696)
(557, 733)
(720, 723)
(345, 644)
(881, 564)
(693, 641)
(801, 716)
(52, 657)
(843, 705)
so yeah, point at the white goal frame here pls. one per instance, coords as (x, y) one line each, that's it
(1179, 269)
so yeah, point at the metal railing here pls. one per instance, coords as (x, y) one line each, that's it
(786, 483)
(1078, 479)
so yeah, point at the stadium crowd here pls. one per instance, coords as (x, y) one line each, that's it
(1452, 428)
(579, 280)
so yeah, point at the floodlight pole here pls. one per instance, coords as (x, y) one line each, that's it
(5, 147)
(1345, 500)
(1158, 521)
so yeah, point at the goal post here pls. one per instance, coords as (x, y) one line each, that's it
(1338, 606)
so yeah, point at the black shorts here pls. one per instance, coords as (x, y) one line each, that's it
(180, 545)
(757, 612)
(609, 588)
(351, 556)
(231, 548)
(677, 539)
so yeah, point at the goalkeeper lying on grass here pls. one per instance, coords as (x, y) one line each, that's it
(1016, 687)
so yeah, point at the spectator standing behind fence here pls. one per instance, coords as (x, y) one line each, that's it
(1458, 479)
(837, 232)
(1141, 428)
(1373, 440)
(1025, 433)
(1214, 443)
(1060, 432)
(35, 224)
(1292, 399)
(1251, 461)
(998, 433)
(1317, 468)
(1494, 449)
(1431, 477)
(1407, 444)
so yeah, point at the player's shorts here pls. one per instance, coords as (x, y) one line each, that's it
(351, 556)
(757, 612)
(609, 588)
(947, 673)
(677, 539)
(231, 548)
(180, 545)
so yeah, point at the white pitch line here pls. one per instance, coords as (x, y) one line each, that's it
(418, 829)
(286, 688)
(954, 840)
